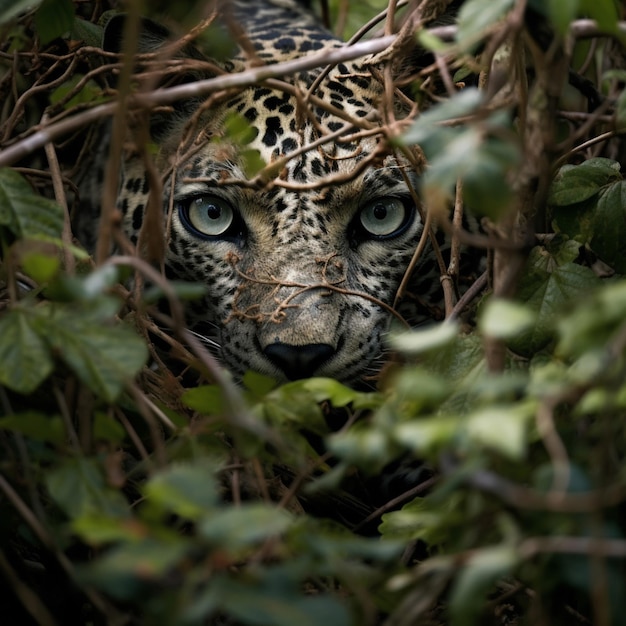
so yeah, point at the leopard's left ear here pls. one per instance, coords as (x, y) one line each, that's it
(153, 38)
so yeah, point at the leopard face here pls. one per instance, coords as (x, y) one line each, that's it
(301, 264)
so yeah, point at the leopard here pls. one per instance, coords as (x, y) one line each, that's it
(302, 260)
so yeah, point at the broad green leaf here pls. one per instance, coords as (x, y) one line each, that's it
(476, 579)
(41, 267)
(576, 183)
(368, 448)
(124, 570)
(257, 384)
(262, 605)
(53, 19)
(78, 487)
(26, 214)
(609, 239)
(235, 528)
(90, 92)
(98, 282)
(36, 426)
(415, 390)
(97, 529)
(424, 519)
(238, 129)
(476, 154)
(104, 356)
(183, 290)
(187, 490)
(602, 11)
(562, 13)
(10, 9)
(484, 177)
(591, 325)
(25, 361)
(106, 428)
(419, 341)
(426, 127)
(546, 297)
(206, 399)
(331, 390)
(503, 319)
(293, 404)
(503, 429)
(90, 34)
(428, 41)
(476, 16)
(252, 162)
(424, 436)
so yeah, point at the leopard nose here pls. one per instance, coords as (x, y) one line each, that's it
(298, 361)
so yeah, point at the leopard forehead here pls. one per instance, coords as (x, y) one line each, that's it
(297, 289)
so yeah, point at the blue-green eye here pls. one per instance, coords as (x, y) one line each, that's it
(210, 215)
(384, 217)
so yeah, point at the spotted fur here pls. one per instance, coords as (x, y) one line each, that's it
(301, 281)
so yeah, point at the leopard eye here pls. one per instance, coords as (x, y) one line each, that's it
(210, 216)
(384, 217)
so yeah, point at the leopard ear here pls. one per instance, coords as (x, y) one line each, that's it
(154, 37)
(414, 58)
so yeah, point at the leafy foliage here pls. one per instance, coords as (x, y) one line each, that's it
(139, 486)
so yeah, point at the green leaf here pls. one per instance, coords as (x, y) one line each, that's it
(10, 9)
(183, 290)
(426, 126)
(25, 361)
(234, 528)
(187, 490)
(479, 574)
(78, 487)
(106, 428)
(476, 16)
(207, 399)
(53, 19)
(90, 92)
(90, 34)
(124, 570)
(104, 357)
(503, 319)
(368, 448)
(36, 426)
(577, 183)
(562, 13)
(425, 436)
(41, 267)
(417, 390)
(328, 389)
(419, 341)
(98, 529)
(484, 176)
(602, 11)
(258, 385)
(591, 325)
(547, 297)
(425, 519)
(26, 214)
(609, 239)
(503, 429)
(257, 604)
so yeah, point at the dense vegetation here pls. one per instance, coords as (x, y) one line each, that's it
(138, 491)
